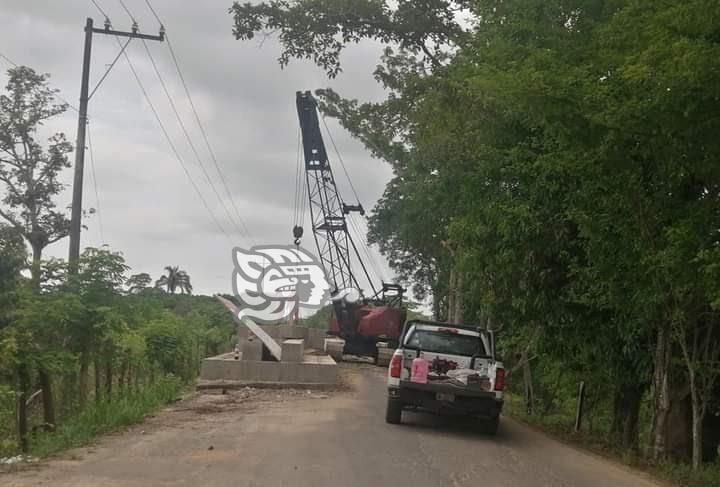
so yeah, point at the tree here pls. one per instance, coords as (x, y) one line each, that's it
(568, 148)
(30, 175)
(175, 279)
(138, 282)
(13, 259)
(29, 172)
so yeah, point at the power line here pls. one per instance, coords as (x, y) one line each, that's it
(94, 182)
(189, 139)
(201, 126)
(206, 139)
(147, 2)
(100, 9)
(107, 71)
(172, 145)
(15, 65)
(127, 10)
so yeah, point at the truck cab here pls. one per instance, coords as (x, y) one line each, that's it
(463, 375)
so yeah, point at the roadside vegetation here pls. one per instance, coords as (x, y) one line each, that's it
(88, 351)
(555, 178)
(113, 352)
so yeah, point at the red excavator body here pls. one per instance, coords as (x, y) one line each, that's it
(374, 321)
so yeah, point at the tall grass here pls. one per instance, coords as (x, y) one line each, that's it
(121, 410)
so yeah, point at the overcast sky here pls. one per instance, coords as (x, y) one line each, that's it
(148, 207)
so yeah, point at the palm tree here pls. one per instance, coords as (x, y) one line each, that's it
(175, 279)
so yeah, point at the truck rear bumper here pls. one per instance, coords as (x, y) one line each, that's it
(444, 399)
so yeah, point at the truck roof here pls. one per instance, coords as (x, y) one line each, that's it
(442, 324)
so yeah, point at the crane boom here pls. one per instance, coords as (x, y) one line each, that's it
(361, 324)
(327, 210)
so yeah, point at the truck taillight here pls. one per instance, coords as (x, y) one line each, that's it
(395, 366)
(499, 379)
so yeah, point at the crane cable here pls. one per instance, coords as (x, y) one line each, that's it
(363, 242)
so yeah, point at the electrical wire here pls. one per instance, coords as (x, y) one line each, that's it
(147, 2)
(127, 10)
(172, 145)
(100, 9)
(15, 65)
(107, 71)
(94, 182)
(245, 232)
(206, 139)
(189, 139)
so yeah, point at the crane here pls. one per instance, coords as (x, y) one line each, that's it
(361, 324)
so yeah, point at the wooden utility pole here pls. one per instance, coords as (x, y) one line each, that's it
(76, 213)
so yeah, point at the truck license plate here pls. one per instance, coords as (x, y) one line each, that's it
(441, 396)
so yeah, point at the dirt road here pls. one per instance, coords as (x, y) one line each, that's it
(339, 439)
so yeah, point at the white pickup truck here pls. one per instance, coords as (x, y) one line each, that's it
(464, 376)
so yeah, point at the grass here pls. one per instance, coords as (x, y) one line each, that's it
(561, 424)
(106, 416)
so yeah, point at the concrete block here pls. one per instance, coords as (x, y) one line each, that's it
(315, 338)
(252, 350)
(292, 350)
(384, 356)
(291, 332)
(334, 347)
(313, 369)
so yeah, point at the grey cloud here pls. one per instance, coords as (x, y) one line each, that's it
(149, 209)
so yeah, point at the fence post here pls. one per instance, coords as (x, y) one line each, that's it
(580, 406)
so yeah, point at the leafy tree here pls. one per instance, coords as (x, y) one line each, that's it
(567, 149)
(138, 282)
(29, 172)
(175, 279)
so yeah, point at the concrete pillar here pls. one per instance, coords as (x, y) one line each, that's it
(252, 350)
(292, 350)
(334, 347)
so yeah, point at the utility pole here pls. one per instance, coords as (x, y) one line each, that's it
(76, 213)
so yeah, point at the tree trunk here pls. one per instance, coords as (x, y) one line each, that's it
(83, 379)
(661, 384)
(527, 381)
(458, 315)
(108, 376)
(698, 414)
(451, 297)
(626, 413)
(47, 399)
(98, 388)
(123, 374)
(35, 267)
(24, 386)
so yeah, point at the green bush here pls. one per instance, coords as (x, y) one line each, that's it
(683, 474)
(8, 441)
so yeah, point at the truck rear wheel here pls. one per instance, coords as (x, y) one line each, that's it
(393, 413)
